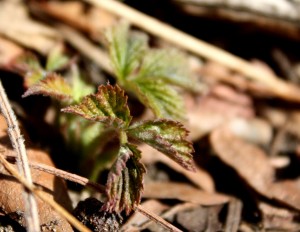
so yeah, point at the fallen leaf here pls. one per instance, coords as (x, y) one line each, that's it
(93, 21)
(200, 177)
(11, 197)
(15, 21)
(254, 166)
(247, 159)
(182, 192)
(279, 219)
(8, 51)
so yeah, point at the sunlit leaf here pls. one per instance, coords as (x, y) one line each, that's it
(160, 97)
(56, 59)
(125, 181)
(108, 105)
(168, 137)
(169, 65)
(52, 85)
(125, 50)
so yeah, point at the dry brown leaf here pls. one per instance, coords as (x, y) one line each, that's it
(8, 51)
(11, 199)
(278, 219)
(247, 159)
(16, 24)
(74, 13)
(200, 178)
(254, 166)
(183, 192)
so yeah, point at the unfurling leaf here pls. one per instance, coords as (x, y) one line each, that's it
(52, 85)
(168, 137)
(56, 59)
(125, 181)
(108, 105)
(160, 97)
(125, 50)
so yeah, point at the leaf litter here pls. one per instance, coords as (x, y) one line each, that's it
(234, 126)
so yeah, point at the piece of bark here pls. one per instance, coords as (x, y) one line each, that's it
(11, 200)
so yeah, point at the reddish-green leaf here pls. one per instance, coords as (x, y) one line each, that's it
(108, 105)
(52, 85)
(125, 181)
(169, 137)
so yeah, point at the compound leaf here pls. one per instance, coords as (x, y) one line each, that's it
(169, 65)
(125, 50)
(52, 85)
(168, 137)
(125, 181)
(108, 105)
(160, 97)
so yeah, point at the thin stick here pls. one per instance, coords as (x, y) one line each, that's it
(275, 84)
(157, 219)
(43, 196)
(31, 210)
(85, 182)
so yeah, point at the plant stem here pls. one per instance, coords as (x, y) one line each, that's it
(123, 137)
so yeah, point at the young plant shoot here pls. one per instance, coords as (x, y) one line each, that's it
(151, 75)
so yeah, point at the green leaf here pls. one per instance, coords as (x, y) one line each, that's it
(79, 86)
(160, 97)
(169, 65)
(125, 50)
(52, 85)
(56, 59)
(108, 105)
(125, 181)
(168, 137)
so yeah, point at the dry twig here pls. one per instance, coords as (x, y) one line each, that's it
(42, 196)
(31, 210)
(85, 182)
(277, 86)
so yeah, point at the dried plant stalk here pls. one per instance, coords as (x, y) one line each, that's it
(277, 86)
(31, 210)
(42, 196)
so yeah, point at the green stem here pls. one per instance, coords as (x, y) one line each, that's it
(123, 137)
